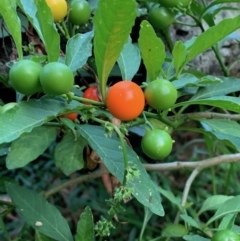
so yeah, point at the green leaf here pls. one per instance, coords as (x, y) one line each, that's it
(198, 9)
(195, 238)
(174, 230)
(9, 14)
(228, 207)
(129, 60)
(227, 222)
(152, 50)
(85, 227)
(185, 80)
(78, 49)
(224, 87)
(41, 237)
(38, 213)
(2, 183)
(68, 153)
(3, 228)
(147, 216)
(213, 203)
(226, 130)
(29, 114)
(29, 146)
(214, 3)
(190, 80)
(40, 16)
(110, 152)
(236, 228)
(179, 55)
(190, 221)
(170, 196)
(211, 36)
(4, 149)
(111, 31)
(225, 102)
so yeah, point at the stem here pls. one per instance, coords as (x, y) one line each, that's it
(214, 48)
(168, 122)
(182, 109)
(52, 124)
(123, 144)
(75, 181)
(186, 24)
(60, 28)
(207, 115)
(189, 184)
(124, 150)
(213, 181)
(204, 3)
(6, 203)
(187, 145)
(84, 100)
(233, 63)
(66, 33)
(230, 158)
(230, 171)
(147, 122)
(218, 56)
(166, 34)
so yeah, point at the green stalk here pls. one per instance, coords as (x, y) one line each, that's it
(229, 175)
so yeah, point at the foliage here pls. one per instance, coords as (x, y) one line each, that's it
(58, 138)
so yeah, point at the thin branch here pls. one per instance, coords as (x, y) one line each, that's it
(156, 167)
(77, 180)
(207, 115)
(188, 184)
(192, 165)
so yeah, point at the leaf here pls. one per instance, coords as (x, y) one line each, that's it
(211, 36)
(111, 31)
(195, 238)
(29, 146)
(236, 228)
(227, 222)
(224, 87)
(29, 114)
(190, 80)
(3, 228)
(129, 60)
(2, 183)
(184, 80)
(226, 130)
(4, 149)
(179, 55)
(85, 227)
(174, 230)
(225, 102)
(40, 16)
(9, 14)
(198, 9)
(170, 196)
(214, 3)
(147, 216)
(190, 221)
(38, 213)
(68, 153)
(110, 152)
(228, 207)
(213, 203)
(152, 50)
(40, 237)
(78, 49)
